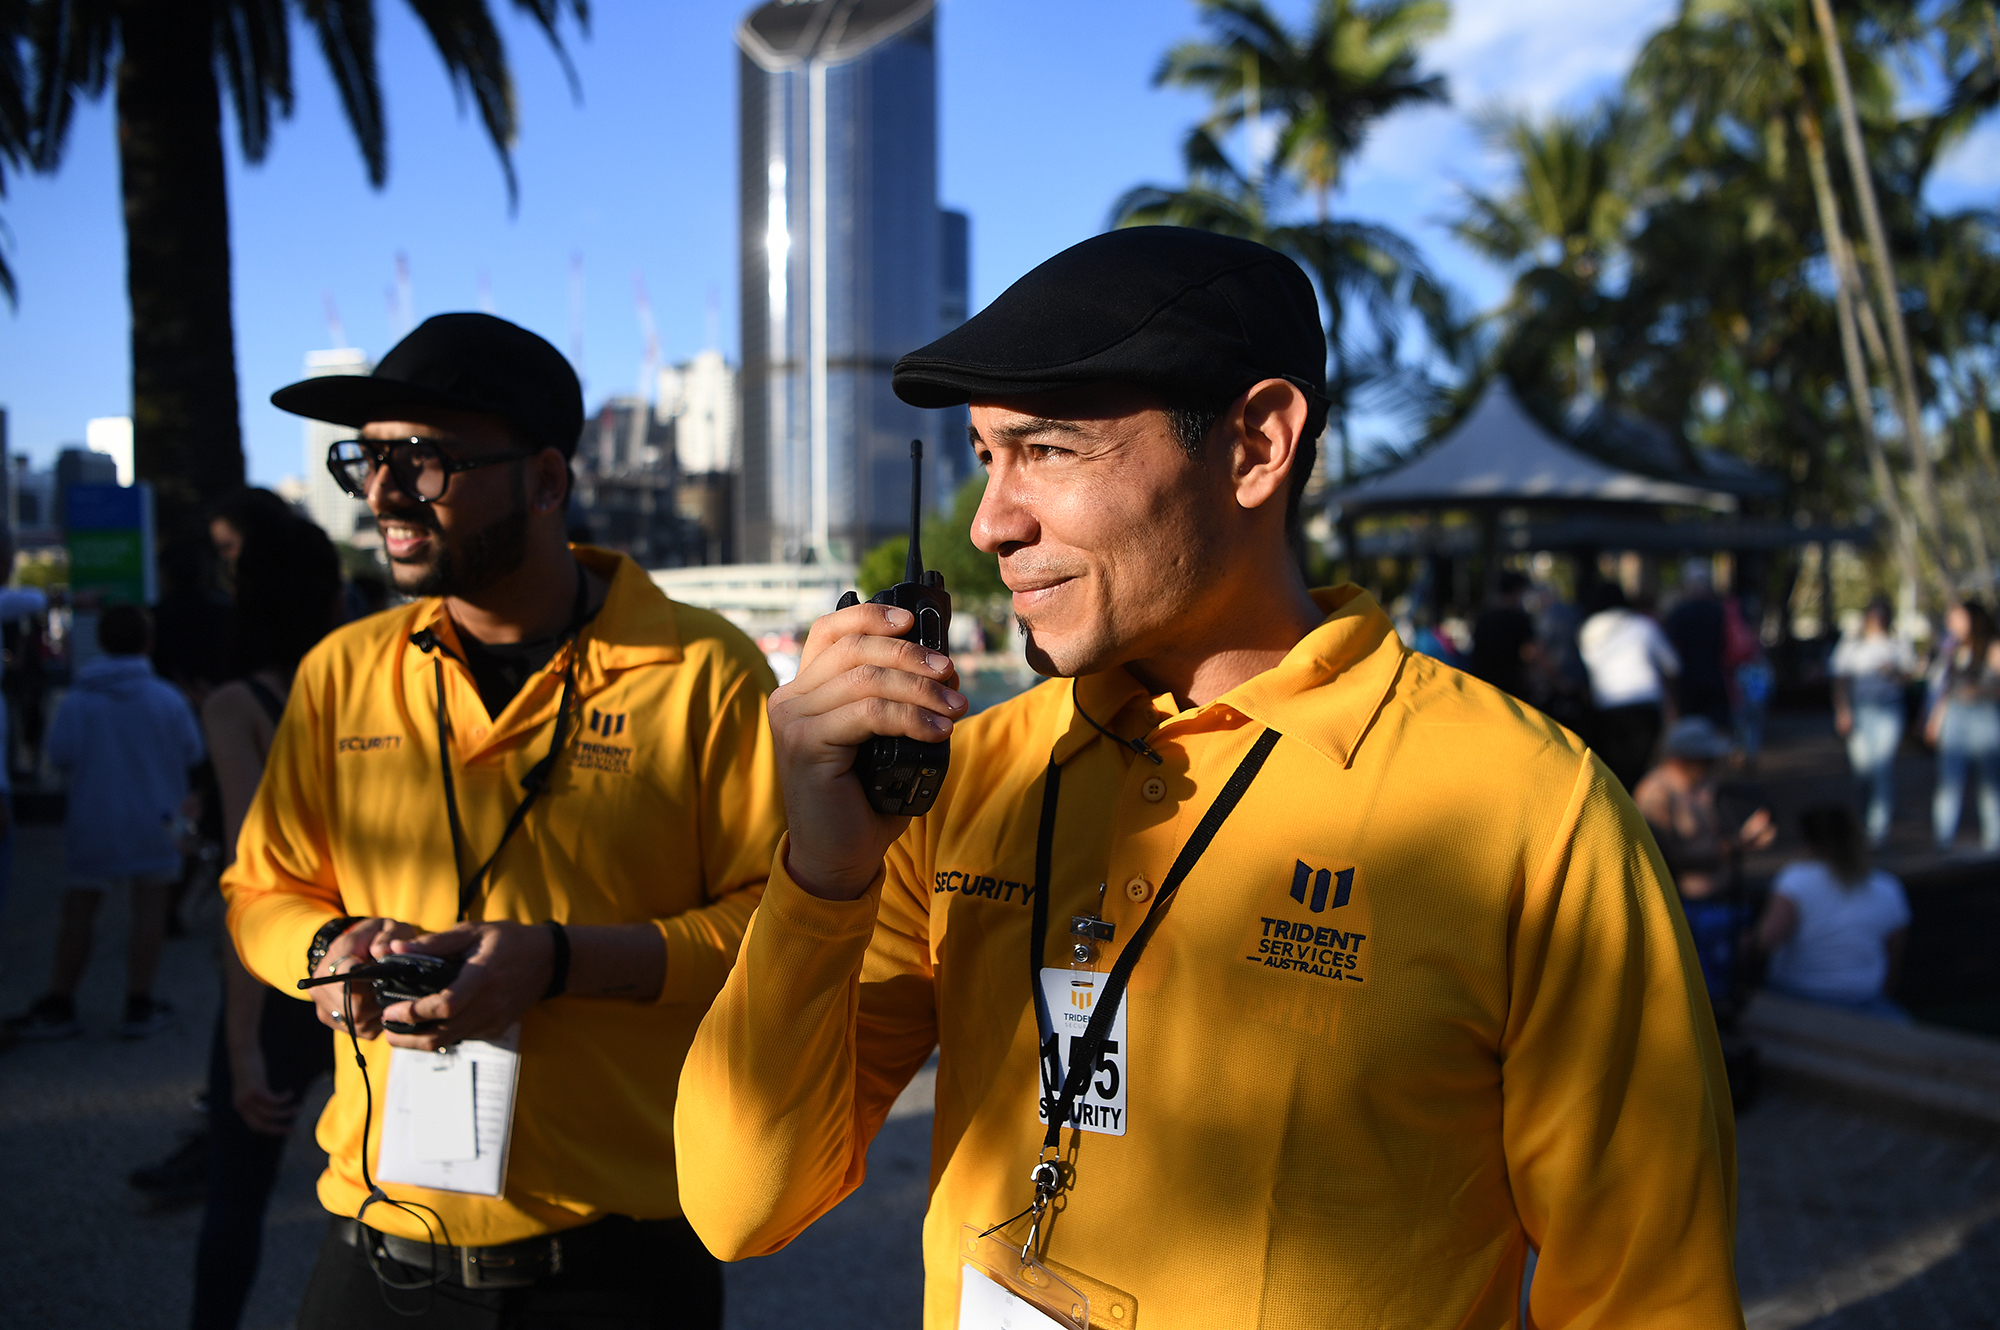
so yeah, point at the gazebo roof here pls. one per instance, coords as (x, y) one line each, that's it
(1499, 455)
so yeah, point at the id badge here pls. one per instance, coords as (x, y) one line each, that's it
(998, 1290)
(448, 1117)
(1072, 996)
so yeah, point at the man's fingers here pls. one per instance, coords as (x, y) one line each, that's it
(864, 649)
(872, 684)
(856, 620)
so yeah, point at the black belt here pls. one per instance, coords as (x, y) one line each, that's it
(509, 1265)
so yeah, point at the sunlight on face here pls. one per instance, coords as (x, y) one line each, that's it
(1106, 530)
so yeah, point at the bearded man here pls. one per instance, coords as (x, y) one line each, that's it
(540, 770)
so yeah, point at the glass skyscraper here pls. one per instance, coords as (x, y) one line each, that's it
(848, 263)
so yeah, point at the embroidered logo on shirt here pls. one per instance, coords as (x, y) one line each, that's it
(978, 884)
(1307, 947)
(607, 723)
(1342, 883)
(368, 743)
(613, 758)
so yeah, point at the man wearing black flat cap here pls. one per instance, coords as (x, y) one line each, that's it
(544, 769)
(1344, 980)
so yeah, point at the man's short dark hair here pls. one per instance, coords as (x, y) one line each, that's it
(124, 630)
(1192, 421)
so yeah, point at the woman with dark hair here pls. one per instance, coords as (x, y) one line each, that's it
(1964, 723)
(268, 1046)
(1834, 928)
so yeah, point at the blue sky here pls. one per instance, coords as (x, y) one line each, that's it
(1046, 116)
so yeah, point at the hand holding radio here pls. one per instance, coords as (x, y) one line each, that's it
(429, 990)
(862, 733)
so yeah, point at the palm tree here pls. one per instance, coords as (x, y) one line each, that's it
(1324, 86)
(1742, 70)
(170, 61)
(1558, 225)
(13, 115)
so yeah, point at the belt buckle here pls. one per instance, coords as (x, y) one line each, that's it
(513, 1271)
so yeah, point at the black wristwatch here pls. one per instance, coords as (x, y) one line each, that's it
(322, 940)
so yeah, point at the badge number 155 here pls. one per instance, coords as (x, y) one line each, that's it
(1071, 995)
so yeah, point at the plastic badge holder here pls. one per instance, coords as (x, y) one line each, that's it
(1023, 1294)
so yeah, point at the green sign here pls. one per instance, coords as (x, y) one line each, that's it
(110, 536)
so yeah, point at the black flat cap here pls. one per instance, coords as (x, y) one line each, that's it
(1189, 313)
(458, 362)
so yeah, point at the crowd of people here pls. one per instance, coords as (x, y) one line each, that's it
(620, 951)
(1674, 702)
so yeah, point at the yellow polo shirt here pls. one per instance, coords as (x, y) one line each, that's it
(1354, 1099)
(664, 808)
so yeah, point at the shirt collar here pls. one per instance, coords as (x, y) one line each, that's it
(1325, 693)
(634, 626)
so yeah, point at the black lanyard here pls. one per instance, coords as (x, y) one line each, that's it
(537, 778)
(1060, 1104)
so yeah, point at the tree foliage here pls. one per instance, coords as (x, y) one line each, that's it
(1305, 100)
(970, 575)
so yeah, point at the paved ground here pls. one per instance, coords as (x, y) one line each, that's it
(1846, 1221)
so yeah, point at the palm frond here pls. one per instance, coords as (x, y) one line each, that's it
(71, 42)
(346, 31)
(253, 43)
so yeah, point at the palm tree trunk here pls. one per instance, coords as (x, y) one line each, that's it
(186, 437)
(1858, 386)
(1885, 280)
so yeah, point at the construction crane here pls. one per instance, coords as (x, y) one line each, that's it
(649, 372)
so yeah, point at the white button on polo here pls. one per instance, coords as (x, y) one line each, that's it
(1154, 789)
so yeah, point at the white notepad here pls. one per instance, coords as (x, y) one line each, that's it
(448, 1117)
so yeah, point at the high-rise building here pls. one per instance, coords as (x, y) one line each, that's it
(846, 261)
(338, 512)
(701, 399)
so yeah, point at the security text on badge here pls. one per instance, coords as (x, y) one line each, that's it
(1071, 996)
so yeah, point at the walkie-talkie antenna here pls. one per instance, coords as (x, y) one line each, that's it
(913, 562)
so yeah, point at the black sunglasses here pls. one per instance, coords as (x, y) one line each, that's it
(416, 465)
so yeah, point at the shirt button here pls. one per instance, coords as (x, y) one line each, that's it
(479, 734)
(1139, 889)
(1154, 789)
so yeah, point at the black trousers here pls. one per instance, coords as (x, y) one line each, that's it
(637, 1275)
(1624, 737)
(243, 1164)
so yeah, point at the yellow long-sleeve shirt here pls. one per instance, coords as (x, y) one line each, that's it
(663, 808)
(1352, 1100)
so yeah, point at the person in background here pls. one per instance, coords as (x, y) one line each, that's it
(1503, 638)
(1834, 927)
(1749, 676)
(288, 596)
(236, 516)
(1696, 628)
(125, 738)
(1629, 661)
(1704, 846)
(1964, 724)
(1869, 669)
(268, 1046)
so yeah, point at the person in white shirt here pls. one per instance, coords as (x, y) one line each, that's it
(1629, 661)
(1834, 927)
(1869, 670)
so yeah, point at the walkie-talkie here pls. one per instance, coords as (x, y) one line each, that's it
(901, 776)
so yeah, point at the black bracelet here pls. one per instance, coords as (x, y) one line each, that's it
(558, 961)
(323, 940)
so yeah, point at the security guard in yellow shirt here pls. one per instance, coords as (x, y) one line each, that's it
(1277, 976)
(548, 774)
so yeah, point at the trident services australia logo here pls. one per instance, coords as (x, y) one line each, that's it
(1307, 938)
